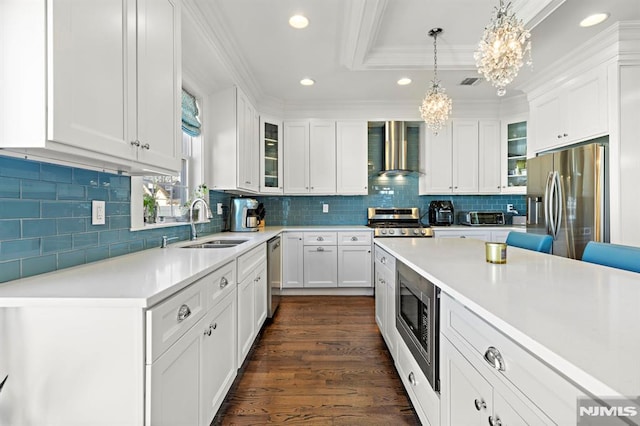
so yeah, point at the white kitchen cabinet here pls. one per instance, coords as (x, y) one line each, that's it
(252, 298)
(352, 156)
(271, 150)
(469, 399)
(385, 282)
(234, 146)
(320, 266)
(574, 112)
(513, 165)
(292, 260)
(102, 93)
(452, 162)
(354, 259)
(310, 157)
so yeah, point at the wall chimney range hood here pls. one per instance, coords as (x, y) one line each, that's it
(395, 149)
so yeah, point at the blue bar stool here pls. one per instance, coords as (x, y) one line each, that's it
(613, 255)
(535, 242)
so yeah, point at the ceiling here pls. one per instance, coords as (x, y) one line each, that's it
(356, 50)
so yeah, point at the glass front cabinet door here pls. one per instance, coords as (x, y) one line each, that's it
(271, 155)
(514, 169)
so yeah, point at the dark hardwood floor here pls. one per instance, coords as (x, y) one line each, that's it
(321, 361)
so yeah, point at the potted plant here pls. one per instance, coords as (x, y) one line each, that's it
(150, 208)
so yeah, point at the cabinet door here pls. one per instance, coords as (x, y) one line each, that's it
(322, 157)
(381, 298)
(218, 355)
(292, 260)
(437, 164)
(587, 106)
(159, 97)
(271, 156)
(246, 317)
(546, 124)
(390, 310)
(354, 266)
(173, 392)
(514, 155)
(248, 149)
(320, 266)
(489, 158)
(296, 157)
(466, 396)
(260, 298)
(352, 156)
(92, 69)
(465, 156)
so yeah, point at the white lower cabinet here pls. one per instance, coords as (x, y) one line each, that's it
(385, 287)
(354, 259)
(320, 266)
(292, 260)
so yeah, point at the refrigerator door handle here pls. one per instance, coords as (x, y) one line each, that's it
(548, 217)
(558, 204)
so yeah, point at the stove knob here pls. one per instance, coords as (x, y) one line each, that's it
(403, 231)
(383, 231)
(392, 231)
(416, 231)
(423, 231)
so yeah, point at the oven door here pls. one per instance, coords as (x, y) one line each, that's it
(417, 320)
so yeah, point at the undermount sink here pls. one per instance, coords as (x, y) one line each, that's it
(217, 243)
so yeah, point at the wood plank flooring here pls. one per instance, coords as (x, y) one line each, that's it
(322, 361)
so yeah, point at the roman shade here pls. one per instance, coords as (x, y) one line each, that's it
(190, 121)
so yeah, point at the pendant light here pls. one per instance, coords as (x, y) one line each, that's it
(436, 105)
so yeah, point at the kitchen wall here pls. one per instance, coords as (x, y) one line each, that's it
(45, 218)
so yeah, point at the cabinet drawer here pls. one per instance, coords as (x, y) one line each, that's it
(424, 398)
(220, 282)
(384, 258)
(248, 261)
(320, 238)
(538, 382)
(169, 320)
(354, 238)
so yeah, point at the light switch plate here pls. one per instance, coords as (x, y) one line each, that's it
(325, 208)
(97, 212)
(219, 208)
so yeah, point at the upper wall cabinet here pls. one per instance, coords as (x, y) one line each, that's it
(574, 112)
(452, 161)
(310, 157)
(352, 152)
(98, 85)
(514, 155)
(233, 137)
(271, 164)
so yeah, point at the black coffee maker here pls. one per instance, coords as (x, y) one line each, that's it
(441, 213)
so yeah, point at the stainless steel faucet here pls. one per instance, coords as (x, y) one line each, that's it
(194, 234)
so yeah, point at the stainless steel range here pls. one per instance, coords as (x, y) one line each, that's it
(397, 222)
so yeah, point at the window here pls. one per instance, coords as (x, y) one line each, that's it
(159, 201)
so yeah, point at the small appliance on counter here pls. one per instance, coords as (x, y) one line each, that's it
(244, 215)
(484, 218)
(441, 213)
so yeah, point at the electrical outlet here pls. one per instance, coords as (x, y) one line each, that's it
(509, 207)
(219, 208)
(97, 212)
(325, 208)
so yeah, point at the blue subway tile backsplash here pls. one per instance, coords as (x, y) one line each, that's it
(45, 214)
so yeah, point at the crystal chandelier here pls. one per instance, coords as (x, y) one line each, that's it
(504, 44)
(436, 105)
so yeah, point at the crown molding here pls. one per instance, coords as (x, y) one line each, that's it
(532, 12)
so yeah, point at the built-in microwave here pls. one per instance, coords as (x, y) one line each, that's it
(417, 320)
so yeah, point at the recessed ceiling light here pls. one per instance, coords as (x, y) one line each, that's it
(307, 82)
(404, 81)
(594, 19)
(298, 22)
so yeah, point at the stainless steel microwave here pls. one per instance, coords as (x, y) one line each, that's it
(479, 218)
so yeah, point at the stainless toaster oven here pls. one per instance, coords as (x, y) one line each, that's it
(479, 218)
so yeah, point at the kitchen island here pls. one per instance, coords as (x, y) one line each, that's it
(580, 320)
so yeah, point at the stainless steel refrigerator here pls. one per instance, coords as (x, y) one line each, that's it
(567, 197)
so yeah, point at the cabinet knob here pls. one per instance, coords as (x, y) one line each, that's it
(354, 238)
(494, 358)
(312, 187)
(559, 136)
(223, 282)
(365, 187)
(214, 326)
(495, 421)
(498, 187)
(145, 146)
(383, 259)
(135, 143)
(320, 239)
(207, 331)
(247, 182)
(320, 248)
(565, 135)
(412, 379)
(480, 404)
(183, 313)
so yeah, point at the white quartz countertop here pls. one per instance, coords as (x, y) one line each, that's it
(581, 319)
(140, 279)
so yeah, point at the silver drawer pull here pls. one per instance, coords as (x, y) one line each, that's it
(183, 313)
(320, 248)
(495, 421)
(223, 282)
(207, 331)
(412, 379)
(319, 239)
(383, 259)
(480, 404)
(354, 238)
(494, 358)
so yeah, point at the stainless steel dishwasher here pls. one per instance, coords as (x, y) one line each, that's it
(274, 274)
